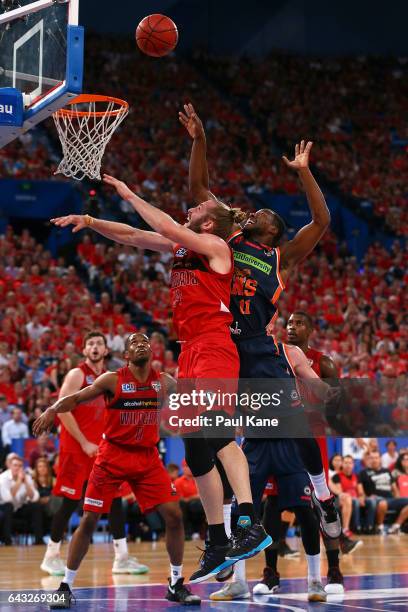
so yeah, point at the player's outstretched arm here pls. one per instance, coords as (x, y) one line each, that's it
(73, 383)
(106, 383)
(198, 178)
(306, 239)
(206, 244)
(118, 232)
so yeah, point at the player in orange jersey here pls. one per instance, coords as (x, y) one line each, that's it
(81, 433)
(127, 453)
(299, 330)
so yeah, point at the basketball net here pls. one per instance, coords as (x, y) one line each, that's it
(85, 127)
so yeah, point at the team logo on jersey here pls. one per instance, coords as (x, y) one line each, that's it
(268, 252)
(310, 362)
(307, 490)
(90, 379)
(156, 385)
(128, 387)
(181, 252)
(294, 395)
(235, 330)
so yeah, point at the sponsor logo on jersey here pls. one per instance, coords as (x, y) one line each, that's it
(173, 489)
(89, 379)
(181, 252)
(65, 489)
(156, 384)
(94, 502)
(310, 362)
(128, 387)
(252, 261)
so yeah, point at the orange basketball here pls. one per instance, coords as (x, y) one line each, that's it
(156, 35)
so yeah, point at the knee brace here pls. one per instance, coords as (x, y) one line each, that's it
(199, 456)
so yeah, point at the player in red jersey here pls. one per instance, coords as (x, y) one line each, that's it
(127, 453)
(200, 289)
(81, 433)
(299, 330)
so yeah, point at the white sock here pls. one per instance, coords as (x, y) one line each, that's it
(69, 576)
(176, 572)
(313, 567)
(320, 486)
(121, 548)
(227, 519)
(53, 549)
(239, 571)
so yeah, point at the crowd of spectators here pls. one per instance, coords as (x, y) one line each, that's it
(378, 489)
(352, 108)
(253, 110)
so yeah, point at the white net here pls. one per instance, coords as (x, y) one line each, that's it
(85, 127)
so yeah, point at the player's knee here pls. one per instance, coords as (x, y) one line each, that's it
(89, 521)
(173, 517)
(199, 457)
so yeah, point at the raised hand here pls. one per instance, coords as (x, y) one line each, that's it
(78, 221)
(191, 121)
(301, 156)
(121, 187)
(44, 422)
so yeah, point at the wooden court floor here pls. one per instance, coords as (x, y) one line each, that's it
(20, 566)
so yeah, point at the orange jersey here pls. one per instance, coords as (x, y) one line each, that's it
(200, 296)
(88, 415)
(132, 416)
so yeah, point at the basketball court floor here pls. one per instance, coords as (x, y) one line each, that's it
(376, 579)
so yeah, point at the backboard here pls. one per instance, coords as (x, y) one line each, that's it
(41, 55)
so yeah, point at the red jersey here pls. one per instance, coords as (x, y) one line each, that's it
(200, 296)
(348, 483)
(132, 416)
(88, 415)
(314, 358)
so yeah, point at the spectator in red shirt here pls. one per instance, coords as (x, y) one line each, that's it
(193, 512)
(347, 481)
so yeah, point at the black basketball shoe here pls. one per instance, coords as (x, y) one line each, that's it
(247, 541)
(182, 594)
(62, 598)
(212, 562)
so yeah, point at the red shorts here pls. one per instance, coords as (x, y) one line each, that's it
(73, 472)
(141, 467)
(322, 442)
(209, 363)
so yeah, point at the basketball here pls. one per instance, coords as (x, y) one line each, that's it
(156, 35)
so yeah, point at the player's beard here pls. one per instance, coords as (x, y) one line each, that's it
(96, 360)
(140, 361)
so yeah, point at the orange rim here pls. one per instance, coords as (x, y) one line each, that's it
(87, 98)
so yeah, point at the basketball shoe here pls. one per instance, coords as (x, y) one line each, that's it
(269, 584)
(62, 598)
(212, 561)
(328, 516)
(54, 566)
(182, 594)
(128, 565)
(233, 590)
(247, 540)
(335, 582)
(315, 591)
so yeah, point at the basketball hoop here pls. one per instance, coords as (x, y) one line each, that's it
(85, 127)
